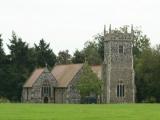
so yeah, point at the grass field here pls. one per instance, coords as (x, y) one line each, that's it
(79, 112)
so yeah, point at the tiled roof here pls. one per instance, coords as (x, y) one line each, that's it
(62, 73)
(65, 73)
(97, 69)
(35, 75)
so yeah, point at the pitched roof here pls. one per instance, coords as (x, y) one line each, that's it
(65, 73)
(36, 73)
(97, 69)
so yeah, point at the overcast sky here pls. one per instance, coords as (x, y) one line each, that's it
(68, 24)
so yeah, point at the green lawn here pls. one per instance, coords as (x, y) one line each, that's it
(79, 112)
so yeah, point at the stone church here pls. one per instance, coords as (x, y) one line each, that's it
(116, 72)
(57, 86)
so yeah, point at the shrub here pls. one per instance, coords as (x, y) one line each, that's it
(4, 100)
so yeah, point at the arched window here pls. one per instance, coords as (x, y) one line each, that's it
(121, 49)
(120, 90)
(46, 88)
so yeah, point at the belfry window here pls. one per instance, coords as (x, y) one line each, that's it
(120, 90)
(121, 49)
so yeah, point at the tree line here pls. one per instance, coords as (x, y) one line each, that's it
(17, 66)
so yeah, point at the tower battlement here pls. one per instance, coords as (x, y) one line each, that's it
(118, 35)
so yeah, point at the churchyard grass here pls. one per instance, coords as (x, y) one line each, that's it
(79, 111)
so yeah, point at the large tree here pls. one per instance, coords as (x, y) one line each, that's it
(2, 69)
(64, 57)
(44, 55)
(1, 48)
(18, 67)
(92, 55)
(141, 42)
(147, 76)
(18, 51)
(100, 43)
(78, 57)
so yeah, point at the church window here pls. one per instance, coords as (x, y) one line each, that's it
(46, 88)
(120, 90)
(121, 49)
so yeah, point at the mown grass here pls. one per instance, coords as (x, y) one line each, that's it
(79, 112)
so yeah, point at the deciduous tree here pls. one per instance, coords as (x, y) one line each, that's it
(78, 57)
(89, 83)
(64, 57)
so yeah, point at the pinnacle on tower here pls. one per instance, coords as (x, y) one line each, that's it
(104, 30)
(110, 28)
(132, 31)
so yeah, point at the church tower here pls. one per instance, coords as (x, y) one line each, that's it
(118, 72)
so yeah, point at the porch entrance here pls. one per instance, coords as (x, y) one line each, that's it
(45, 100)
